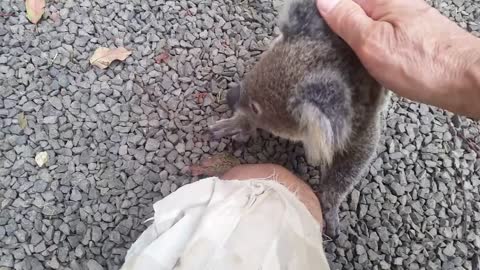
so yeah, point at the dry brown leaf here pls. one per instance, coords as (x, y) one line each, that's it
(200, 97)
(162, 58)
(22, 121)
(35, 10)
(215, 165)
(103, 57)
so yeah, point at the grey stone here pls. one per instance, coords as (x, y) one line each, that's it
(96, 234)
(56, 102)
(123, 150)
(62, 80)
(173, 138)
(100, 107)
(180, 148)
(50, 120)
(75, 195)
(6, 260)
(397, 189)
(94, 265)
(40, 247)
(449, 250)
(28, 106)
(40, 186)
(208, 21)
(152, 144)
(8, 103)
(53, 263)
(459, 3)
(165, 188)
(355, 196)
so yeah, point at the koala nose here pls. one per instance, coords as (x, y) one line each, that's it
(233, 97)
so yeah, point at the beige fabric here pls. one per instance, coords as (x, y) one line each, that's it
(238, 225)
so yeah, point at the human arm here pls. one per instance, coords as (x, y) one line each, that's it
(412, 49)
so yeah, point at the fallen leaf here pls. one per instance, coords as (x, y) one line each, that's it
(22, 121)
(225, 43)
(199, 97)
(35, 10)
(162, 58)
(215, 165)
(103, 57)
(41, 158)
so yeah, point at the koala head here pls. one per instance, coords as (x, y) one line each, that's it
(261, 100)
(296, 91)
(247, 116)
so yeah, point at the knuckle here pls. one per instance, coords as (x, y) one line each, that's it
(374, 42)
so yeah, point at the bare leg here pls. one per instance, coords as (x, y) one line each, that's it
(284, 177)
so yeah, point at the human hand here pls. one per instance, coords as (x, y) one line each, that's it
(410, 48)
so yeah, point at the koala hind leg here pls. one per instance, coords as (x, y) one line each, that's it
(337, 180)
(330, 200)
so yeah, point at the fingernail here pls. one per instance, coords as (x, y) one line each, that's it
(326, 6)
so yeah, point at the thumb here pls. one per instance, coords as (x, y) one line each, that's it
(346, 18)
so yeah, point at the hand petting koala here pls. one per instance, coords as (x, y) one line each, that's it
(310, 87)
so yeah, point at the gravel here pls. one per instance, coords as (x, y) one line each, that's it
(121, 138)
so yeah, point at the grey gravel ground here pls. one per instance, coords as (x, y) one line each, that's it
(119, 139)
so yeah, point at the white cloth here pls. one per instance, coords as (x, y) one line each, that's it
(214, 224)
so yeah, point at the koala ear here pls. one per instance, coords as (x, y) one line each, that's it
(233, 97)
(302, 18)
(322, 107)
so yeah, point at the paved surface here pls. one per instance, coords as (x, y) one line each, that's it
(121, 138)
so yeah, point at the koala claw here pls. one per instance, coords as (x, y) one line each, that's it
(229, 128)
(221, 128)
(241, 137)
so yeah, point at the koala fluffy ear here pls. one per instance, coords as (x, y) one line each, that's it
(302, 18)
(323, 109)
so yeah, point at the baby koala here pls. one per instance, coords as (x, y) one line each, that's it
(310, 87)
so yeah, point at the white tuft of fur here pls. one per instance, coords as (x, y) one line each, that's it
(318, 138)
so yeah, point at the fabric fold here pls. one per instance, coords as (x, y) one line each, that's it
(214, 224)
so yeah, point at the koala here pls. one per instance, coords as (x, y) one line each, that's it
(310, 87)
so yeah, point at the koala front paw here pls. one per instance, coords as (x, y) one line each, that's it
(242, 137)
(230, 128)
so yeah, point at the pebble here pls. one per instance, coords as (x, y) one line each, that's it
(101, 107)
(75, 195)
(50, 120)
(397, 189)
(449, 250)
(6, 260)
(152, 144)
(94, 265)
(56, 102)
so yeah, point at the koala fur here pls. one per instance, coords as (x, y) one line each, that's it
(310, 87)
